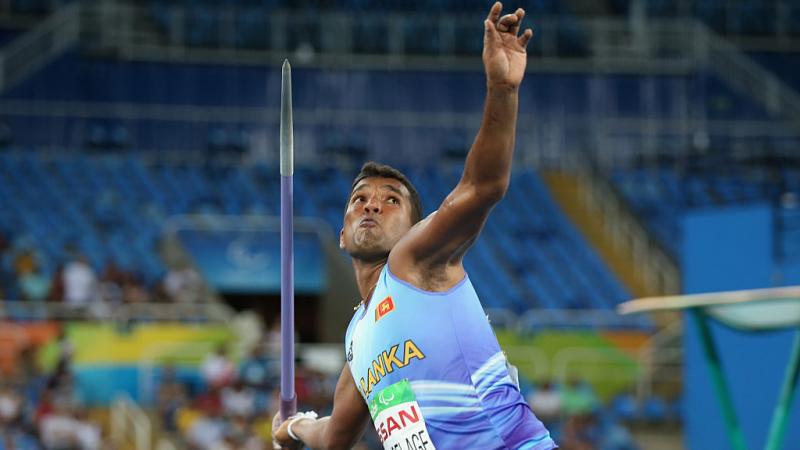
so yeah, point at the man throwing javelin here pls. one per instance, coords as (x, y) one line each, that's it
(422, 361)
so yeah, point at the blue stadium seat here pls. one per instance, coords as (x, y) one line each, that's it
(624, 407)
(655, 410)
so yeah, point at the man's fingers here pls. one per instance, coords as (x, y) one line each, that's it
(520, 13)
(525, 38)
(494, 12)
(507, 23)
(491, 30)
(510, 23)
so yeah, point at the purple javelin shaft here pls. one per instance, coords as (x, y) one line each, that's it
(288, 397)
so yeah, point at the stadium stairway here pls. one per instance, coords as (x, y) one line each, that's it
(569, 192)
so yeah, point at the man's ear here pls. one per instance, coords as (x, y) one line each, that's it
(341, 239)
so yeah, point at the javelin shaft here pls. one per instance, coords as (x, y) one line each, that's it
(288, 396)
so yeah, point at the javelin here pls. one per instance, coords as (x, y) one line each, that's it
(288, 397)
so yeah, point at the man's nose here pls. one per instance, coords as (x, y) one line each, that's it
(372, 205)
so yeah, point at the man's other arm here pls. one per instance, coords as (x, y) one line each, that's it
(340, 430)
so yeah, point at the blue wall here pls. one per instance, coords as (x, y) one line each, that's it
(729, 249)
(242, 262)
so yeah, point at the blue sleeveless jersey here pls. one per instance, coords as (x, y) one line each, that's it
(440, 346)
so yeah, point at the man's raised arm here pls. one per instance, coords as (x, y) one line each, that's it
(444, 237)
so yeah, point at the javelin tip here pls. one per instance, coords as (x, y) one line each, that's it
(286, 132)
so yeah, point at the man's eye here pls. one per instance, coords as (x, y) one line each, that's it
(394, 200)
(358, 198)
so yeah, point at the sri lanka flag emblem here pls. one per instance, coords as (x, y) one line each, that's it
(384, 307)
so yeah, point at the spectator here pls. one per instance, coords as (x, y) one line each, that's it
(24, 261)
(63, 385)
(577, 398)
(80, 283)
(209, 402)
(240, 435)
(321, 389)
(57, 429)
(238, 400)
(88, 434)
(18, 440)
(217, 368)
(579, 433)
(273, 338)
(184, 285)
(111, 284)
(34, 285)
(207, 432)
(66, 351)
(546, 401)
(57, 284)
(27, 366)
(10, 407)
(133, 291)
(65, 390)
(258, 371)
(172, 396)
(45, 408)
(67, 428)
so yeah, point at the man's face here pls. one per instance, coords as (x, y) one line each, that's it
(378, 214)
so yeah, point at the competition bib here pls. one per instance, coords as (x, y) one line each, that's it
(398, 419)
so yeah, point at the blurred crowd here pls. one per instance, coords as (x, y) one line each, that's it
(43, 410)
(232, 406)
(81, 286)
(576, 418)
(227, 403)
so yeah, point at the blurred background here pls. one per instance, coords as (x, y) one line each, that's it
(657, 152)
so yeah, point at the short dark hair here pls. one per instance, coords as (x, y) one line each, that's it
(372, 169)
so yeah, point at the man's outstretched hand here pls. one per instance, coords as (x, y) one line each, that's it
(280, 435)
(504, 55)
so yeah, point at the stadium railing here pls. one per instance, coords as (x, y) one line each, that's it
(130, 424)
(660, 360)
(207, 312)
(744, 74)
(332, 39)
(36, 47)
(626, 231)
(540, 319)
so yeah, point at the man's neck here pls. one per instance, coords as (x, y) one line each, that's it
(367, 273)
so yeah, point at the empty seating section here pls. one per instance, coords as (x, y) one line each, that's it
(660, 195)
(554, 96)
(112, 209)
(529, 254)
(556, 103)
(240, 24)
(745, 17)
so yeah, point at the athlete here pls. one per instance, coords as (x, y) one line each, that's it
(422, 361)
